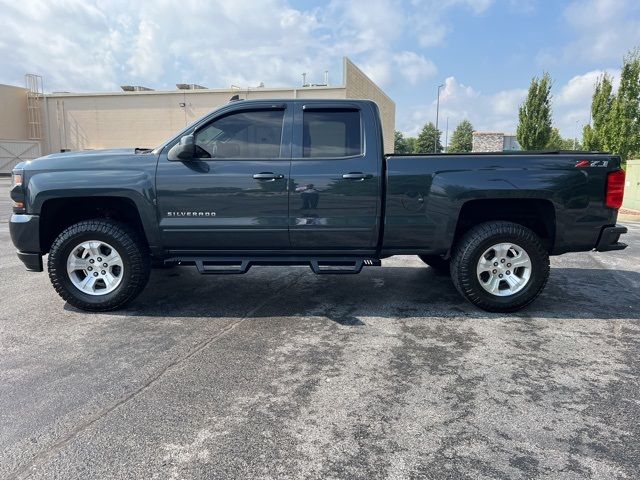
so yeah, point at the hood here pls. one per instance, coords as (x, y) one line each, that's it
(87, 159)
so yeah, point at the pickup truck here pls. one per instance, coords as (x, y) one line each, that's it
(306, 182)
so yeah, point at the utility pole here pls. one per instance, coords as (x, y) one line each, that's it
(435, 140)
(575, 137)
(446, 137)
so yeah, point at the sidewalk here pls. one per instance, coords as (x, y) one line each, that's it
(629, 215)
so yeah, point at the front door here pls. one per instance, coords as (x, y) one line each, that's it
(233, 196)
(335, 183)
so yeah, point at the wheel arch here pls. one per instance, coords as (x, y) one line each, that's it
(539, 215)
(57, 214)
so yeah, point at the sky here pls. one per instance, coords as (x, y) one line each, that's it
(484, 52)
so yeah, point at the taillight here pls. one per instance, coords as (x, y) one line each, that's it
(615, 189)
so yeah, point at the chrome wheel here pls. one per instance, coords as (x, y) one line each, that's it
(95, 267)
(504, 269)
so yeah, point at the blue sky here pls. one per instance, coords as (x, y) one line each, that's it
(484, 51)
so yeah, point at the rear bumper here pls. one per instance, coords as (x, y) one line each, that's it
(25, 235)
(609, 239)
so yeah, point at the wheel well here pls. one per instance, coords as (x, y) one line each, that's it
(538, 215)
(60, 213)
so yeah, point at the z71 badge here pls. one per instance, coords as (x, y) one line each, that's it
(591, 163)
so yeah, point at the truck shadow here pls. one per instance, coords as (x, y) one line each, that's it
(391, 292)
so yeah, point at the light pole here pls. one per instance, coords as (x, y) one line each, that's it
(446, 137)
(435, 139)
(575, 137)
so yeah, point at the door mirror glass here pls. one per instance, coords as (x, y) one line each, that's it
(184, 150)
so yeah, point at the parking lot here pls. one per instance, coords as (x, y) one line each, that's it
(283, 374)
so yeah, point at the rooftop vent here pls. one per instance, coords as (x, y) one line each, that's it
(135, 88)
(189, 86)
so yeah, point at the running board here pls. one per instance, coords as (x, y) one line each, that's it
(238, 265)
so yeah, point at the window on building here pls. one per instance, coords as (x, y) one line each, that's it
(249, 134)
(331, 133)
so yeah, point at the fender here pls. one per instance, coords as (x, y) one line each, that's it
(135, 185)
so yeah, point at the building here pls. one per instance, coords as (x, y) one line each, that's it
(494, 142)
(139, 117)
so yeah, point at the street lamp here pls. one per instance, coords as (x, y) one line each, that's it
(435, 140)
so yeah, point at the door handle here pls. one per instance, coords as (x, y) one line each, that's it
(268, 176)
(355, 176)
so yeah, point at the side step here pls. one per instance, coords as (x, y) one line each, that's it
(237, 265)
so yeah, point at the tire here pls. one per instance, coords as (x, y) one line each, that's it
(479, 274)
(116, 284)
(436, 262)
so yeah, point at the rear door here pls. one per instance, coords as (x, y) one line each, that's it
(334, 193)
(234, 194)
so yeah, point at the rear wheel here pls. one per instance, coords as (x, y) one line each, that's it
(98, 265)
(500, 266)
(436, 262)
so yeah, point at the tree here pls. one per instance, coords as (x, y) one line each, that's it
(594, 135)
(411, 144)
(622, 133)
(556, 142)
(534, 128)
(427, 138)
(400, 143)
(462, 138)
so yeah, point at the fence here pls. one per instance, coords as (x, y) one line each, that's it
(13, 152)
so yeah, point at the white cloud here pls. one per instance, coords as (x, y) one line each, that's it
(579, 89)
(414, 67)
(604, 30)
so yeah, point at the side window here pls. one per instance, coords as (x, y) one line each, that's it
(249, 134)
(331, 133)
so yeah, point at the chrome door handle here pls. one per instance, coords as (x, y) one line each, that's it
(268, 176)
(355, 176)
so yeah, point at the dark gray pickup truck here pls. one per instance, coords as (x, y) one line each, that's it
(306, 182)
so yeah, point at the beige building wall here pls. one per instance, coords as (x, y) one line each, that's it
(13, 113)
(359, 86)
(77, 121)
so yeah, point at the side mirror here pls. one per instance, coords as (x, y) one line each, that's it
(183, 150)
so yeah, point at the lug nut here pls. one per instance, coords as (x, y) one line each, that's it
(508, 272)
(495, 271)
(495, 264)
(90, 268)
(500, 260)
(99, 259)
(103, 272)
(508, 264)
(500, 275)
(105, 265)
(95, 274)
(91, 261)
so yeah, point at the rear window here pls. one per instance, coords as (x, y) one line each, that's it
(331, 133)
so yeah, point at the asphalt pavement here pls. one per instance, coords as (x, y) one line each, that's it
(284, 374)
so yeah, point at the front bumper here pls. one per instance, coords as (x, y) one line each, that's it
(25, 235)
(609, 239)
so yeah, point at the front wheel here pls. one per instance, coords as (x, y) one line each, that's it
(500, 266)
(98, 265)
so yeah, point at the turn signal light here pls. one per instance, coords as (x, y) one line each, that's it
(17, 178)
(615, 189)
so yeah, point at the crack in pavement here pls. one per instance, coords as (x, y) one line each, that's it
(37, 460)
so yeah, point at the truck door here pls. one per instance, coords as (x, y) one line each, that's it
(334, 197)
(234, 194)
